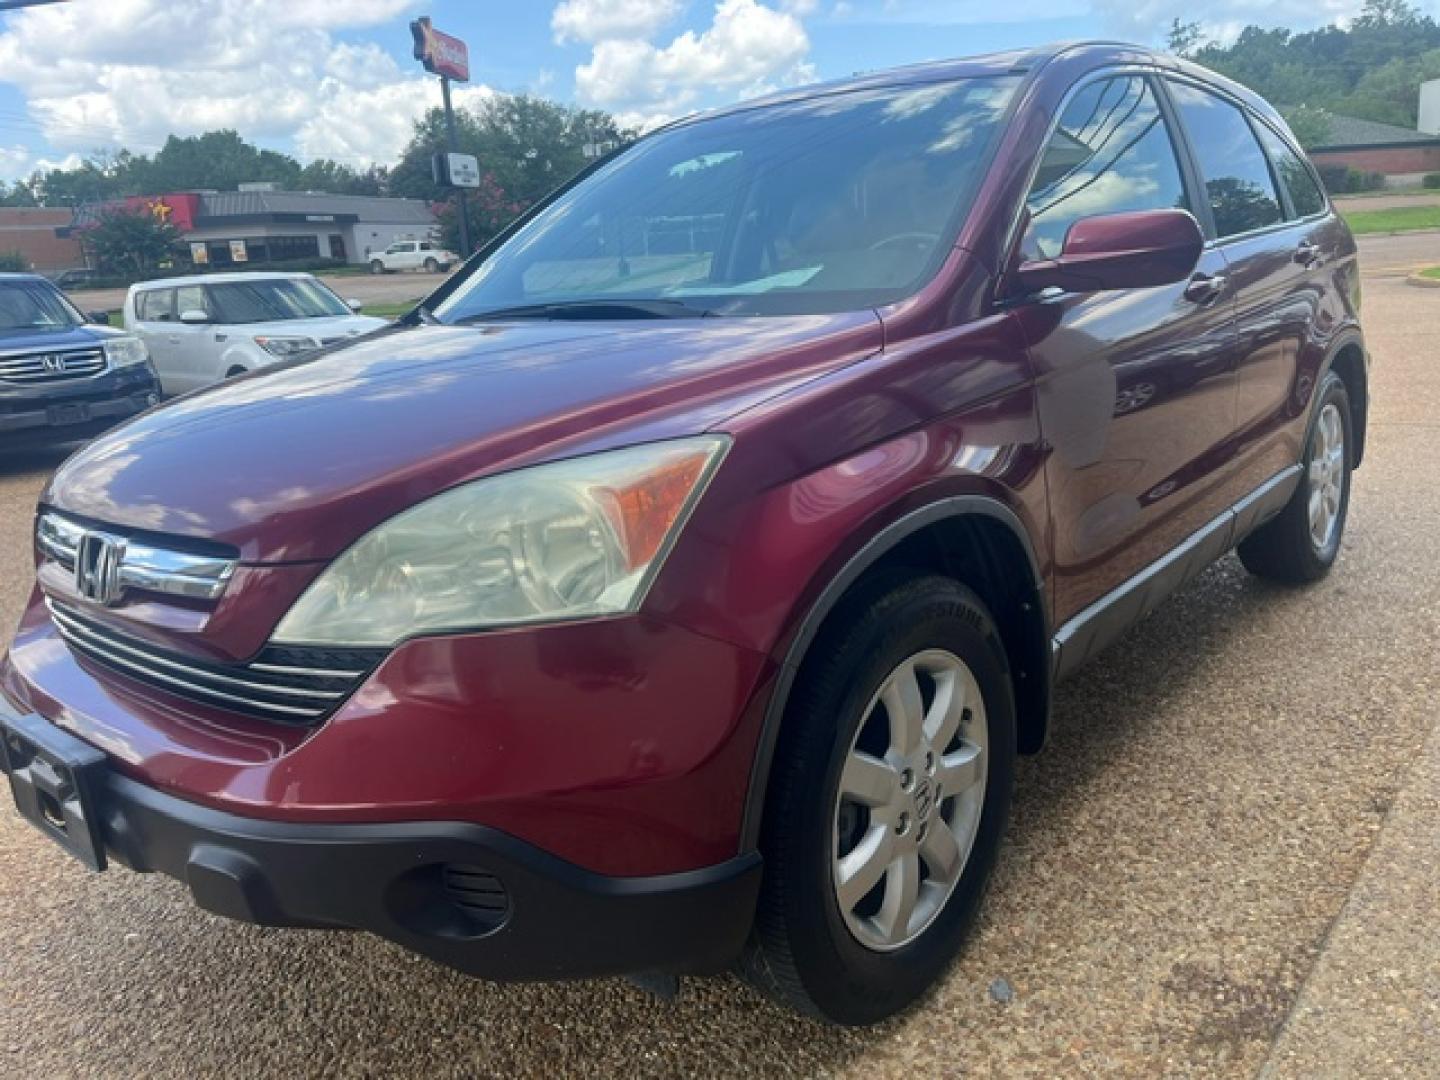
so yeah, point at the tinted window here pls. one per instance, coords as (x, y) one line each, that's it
(1110, 152)
(833, 203)
(157, 305)
(1237, 179)
(34, 305)
(1299, 181)
(275, 300)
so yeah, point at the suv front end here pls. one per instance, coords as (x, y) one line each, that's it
(61, 378)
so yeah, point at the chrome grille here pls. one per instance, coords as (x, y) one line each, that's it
(284, 684)
(138, 565)
(37, 367)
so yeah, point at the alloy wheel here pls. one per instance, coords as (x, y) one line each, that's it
(1326, 474)
(911, 793)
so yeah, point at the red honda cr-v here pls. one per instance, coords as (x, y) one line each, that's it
(675, 588)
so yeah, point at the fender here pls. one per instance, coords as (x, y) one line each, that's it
(883, 541)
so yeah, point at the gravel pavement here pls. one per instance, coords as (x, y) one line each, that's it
(1188, 875)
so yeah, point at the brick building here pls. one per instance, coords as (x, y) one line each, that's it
(1402, 155)
(40, 235)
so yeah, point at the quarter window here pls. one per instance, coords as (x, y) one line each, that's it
(1299, 181)
(1110, 152)
(1237, 178)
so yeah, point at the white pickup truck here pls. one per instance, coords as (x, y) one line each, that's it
(412, 255)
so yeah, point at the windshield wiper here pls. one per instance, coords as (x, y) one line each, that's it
(593, 309)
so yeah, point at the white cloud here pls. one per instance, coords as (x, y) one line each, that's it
(598, 20)
(748, 49)
(112, 75)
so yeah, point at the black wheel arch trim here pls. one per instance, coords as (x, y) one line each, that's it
(1351, 336)
(869, 553)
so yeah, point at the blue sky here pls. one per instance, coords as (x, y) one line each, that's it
(334, 78)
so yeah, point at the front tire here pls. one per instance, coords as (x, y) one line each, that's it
(376, 266)
(1301, 543)
(887, 802)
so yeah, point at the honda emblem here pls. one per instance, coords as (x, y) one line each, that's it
(97, 567)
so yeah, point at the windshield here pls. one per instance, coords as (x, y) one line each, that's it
(276, 300)
(835, 203)
(33, 305)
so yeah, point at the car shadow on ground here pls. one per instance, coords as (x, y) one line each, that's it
(717, 1025)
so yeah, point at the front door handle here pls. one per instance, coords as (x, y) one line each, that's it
(1307, 254)
(1204, 288)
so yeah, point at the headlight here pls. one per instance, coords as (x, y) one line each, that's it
(574, 538)
(123, 352)
(287, 346)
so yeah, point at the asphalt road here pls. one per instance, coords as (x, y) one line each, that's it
(1177, 860)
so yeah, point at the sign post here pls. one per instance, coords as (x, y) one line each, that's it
(449, 58)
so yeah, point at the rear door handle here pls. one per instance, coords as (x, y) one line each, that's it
(1204, 288)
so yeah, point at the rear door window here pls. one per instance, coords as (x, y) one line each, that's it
(1237, 177)
(191, 298)
(156, 305)
(1299, 181)
(1110, 152)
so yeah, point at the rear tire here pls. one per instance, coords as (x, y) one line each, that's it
(431, 266)
(846, 802)
(1301, 543)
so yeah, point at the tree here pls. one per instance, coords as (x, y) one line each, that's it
(526, 147)
(1371, 69)
(1311, 125)
(326, 175)
(218, 159)
(1184, 37)
(131, 242)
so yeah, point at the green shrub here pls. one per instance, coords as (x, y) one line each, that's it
(12, 262)
(1431, 180)
(1368, 181)
(1336, 178)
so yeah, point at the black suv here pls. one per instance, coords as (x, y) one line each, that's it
(62, 376)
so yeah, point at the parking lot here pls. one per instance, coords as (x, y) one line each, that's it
(1218, 865)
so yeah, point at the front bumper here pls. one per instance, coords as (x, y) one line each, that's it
(468, 896)
(76, 409)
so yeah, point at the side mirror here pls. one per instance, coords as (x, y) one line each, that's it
(99, 318)
(1133, 250)
(194, 316)
(355, 305)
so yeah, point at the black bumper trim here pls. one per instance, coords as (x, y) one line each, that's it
(562, 922)
(526, 915)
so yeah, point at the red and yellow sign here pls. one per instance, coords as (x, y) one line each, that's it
(177, 210)
(440, 53)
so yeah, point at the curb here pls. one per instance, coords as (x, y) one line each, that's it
(1422, 282)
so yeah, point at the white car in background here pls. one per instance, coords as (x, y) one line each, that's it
(209, 327)
(412, 255)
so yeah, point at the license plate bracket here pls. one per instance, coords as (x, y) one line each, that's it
(55, 778)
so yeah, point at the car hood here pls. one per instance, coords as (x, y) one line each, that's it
(64, 337)
(296, 462)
